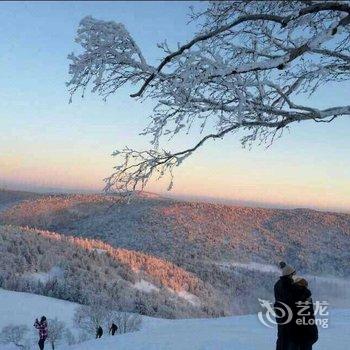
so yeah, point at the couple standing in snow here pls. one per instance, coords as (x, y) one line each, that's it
(295, 331)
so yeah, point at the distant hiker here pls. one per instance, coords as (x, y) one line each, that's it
(304, 328)
(113, 329)
(42, 327)
(99, 332)
(284, 301)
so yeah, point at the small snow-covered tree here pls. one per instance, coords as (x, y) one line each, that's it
(69, 337)
(89, 317)
(127, 322)
(16, 335)
(244, 71)
(56, 332)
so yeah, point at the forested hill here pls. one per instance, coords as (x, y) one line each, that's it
(86, 270)
(210, 246)
(9, 198)
(315, 241)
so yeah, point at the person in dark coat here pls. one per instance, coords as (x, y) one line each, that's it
(284, 290)
(99, 332)
(41, 326)
(113, 329)
(304, 328)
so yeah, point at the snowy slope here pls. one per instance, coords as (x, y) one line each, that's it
(23, 308)
(17, 307)
(239, 333)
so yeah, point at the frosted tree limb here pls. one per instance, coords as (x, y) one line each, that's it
(244, 70)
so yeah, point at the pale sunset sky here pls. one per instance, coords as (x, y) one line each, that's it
(48, 144)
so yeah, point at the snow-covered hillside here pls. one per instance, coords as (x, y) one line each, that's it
(239, 333)
(23, 308)
(206, 260)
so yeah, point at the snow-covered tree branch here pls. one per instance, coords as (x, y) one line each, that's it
(245, 70)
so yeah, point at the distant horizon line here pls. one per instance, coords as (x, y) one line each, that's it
(185, 197)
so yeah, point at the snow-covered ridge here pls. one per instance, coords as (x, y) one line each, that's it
(168, 229)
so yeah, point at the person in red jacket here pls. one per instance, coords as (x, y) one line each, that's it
(41, 326)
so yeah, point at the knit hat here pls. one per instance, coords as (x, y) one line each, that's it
(286, 269)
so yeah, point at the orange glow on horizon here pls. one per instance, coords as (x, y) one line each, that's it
(273, 188)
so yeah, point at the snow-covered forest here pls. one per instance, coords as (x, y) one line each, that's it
(168, 258)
